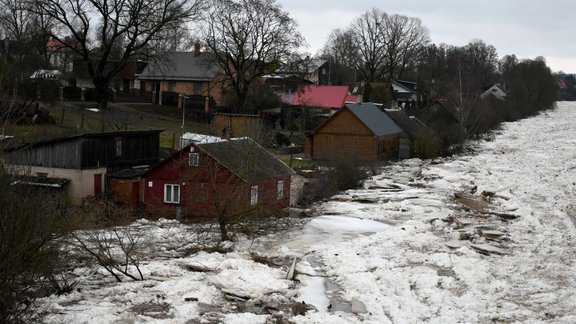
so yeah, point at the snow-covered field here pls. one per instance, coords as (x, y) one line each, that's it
(484, 237)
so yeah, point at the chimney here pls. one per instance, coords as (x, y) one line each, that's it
(197, 48)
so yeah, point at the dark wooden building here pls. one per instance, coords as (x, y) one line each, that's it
(85, 159)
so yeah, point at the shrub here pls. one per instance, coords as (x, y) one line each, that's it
(72, 93)
(32, 223)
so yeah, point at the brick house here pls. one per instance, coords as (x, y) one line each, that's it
(230, 177)
(195, 74)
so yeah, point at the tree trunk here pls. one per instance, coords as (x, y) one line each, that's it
(102, 92)
(223, 230)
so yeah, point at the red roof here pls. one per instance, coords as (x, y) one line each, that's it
(351, 99)
(323, 96)
(55, 45)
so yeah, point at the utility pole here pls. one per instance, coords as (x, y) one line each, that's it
(183, 119)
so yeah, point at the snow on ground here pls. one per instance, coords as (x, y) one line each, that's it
(402, 249)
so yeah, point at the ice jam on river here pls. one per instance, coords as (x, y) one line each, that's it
(480, 237)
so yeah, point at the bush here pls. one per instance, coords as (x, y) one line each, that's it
(72, 93)
(282, 139)
(338, 175)
(32, 223)
(427, 145)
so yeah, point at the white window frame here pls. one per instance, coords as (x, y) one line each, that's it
(171, 196)
(280, 189)
(193, 159)
(253, 195)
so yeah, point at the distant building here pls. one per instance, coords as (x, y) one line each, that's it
(359, 132)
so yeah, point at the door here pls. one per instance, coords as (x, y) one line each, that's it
(97, 185)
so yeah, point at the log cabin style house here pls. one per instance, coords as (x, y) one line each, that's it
(360, 132)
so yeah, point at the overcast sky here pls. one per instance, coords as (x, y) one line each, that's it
(527, 28)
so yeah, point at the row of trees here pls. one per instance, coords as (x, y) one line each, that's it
(377, 48)
(247, 38)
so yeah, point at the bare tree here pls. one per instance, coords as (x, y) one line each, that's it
(226, 190)
(405, 39)
(178, 39)
(32, 225)
(341, 51)
(369, 39)
(386, 45)
(26, 34)
(341, 48)
(106, 34)
(465, 101)
(118, 249)
(482, 62)
(248, 39)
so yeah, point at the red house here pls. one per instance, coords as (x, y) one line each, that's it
(321, 96)
(230, 177)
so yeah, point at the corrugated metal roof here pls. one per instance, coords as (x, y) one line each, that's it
(85, 135)
(320, 96)
(182, 66)
(377, 121)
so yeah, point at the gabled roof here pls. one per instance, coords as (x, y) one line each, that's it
(200, 138)
(323, 96)
(402, 90)
(246, 159)
(438, 107)
(242, 156)
(409, 124)
(184, 66)
(494, 90)
(407, 85)
(85, 135)
(377, 121)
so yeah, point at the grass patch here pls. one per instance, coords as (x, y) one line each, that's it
(298, 164)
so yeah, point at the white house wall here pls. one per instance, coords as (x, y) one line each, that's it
(81, 181)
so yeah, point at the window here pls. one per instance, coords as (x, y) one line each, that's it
(118, 146)
(197, 88)
(171, 86)
(280, 189)
(193, 159)
(172, 193)
(253, 195)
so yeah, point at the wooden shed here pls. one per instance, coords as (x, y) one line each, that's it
(360, 132)
(85, 159)
(240, 125)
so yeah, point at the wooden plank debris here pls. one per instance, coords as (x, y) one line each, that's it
(487, 249)
(292, 270)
